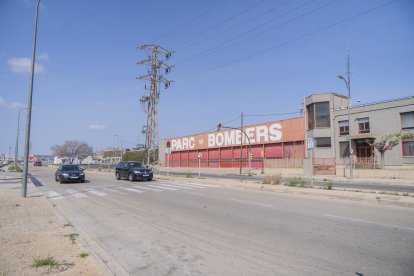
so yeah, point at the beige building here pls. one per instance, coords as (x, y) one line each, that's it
(331, 126)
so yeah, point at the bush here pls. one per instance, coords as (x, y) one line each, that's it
(13, 169)
(329, 185)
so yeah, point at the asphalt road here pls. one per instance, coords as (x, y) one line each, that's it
(184, 228)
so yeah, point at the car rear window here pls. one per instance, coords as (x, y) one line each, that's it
(70, 168)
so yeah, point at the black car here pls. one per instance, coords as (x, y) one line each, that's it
(133, 171)
(70, 173)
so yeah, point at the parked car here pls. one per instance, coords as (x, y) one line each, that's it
(70, 173)
(37, 163)
(132, 171)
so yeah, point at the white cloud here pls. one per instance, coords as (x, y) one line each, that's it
(23, 65)
(17, 105)
(3, 102)
(97, 127)
(43, 56)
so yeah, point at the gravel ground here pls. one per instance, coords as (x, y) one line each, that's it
(30, 229)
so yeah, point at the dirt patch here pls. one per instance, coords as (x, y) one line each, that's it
(31, 229)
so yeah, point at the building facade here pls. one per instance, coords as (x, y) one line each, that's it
(256, 146)
(333, 127)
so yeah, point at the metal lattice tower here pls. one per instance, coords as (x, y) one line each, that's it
(149, 104)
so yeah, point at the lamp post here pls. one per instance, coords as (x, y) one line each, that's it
(348, 86)
(29, 109)
(220, 126)
(118, 144)
(16, 149)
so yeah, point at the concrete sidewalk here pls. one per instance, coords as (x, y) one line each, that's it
(257, 174)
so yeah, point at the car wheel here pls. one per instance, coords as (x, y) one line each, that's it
(60, 181)
(131, 177)
(117, 175)
(56, 179)
(82, 181)
(149, 179)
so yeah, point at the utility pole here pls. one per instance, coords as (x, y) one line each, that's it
(348, 86)
(149, 104)
(241, 143)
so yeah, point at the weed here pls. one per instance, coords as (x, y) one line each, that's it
(49, 261)
(296, 182)
(72, 237)
(188, 175)
(67, 225)
(274, 179)
(405, 194)
(83, 255)
(329, 185)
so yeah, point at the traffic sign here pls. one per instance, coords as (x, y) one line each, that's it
(200, 155)
(310, 142)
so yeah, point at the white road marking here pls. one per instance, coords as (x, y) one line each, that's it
(76, 193)
(114, 191)
(202, 185)
(149, 189)
(162, 187)
(188, 185)
(54, 195)
(95, 192)
(250, 202)
(177, 186)
(368, 222)
(130, 189)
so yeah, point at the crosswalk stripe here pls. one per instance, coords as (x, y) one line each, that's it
(177, 186)
(130, 189)
(54, 195)
(76, 193)
(95, 192)
(149, 189)
(163, 188)
(197, 184)
(200, 186)
(114, 191)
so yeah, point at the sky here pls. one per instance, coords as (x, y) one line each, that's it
(259, 57)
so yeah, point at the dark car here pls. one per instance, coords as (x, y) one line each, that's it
(133, 171)
(37, 163)
(70, 173)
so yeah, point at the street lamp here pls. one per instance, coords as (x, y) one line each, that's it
(29, 110)
(118, 139)
(348, 86)
(16, 149)
(220, 126)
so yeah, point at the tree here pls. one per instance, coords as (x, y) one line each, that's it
(390, 140)
(73, 149)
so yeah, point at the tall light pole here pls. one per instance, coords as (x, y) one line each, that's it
(16, 148)
(29, 110)
(118, 139)
(348, 86)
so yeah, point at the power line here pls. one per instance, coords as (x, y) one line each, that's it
(291, 40)
(217, 48)
(273, 114)
(178, 46)
(238, 25)
(191, 20)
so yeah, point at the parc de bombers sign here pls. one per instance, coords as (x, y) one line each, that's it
(272, 132)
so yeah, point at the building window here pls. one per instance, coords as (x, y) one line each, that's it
(343, 127)
(407, 120)
(408, 148)
(363, 124)
(323, 142)
(318, 115)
